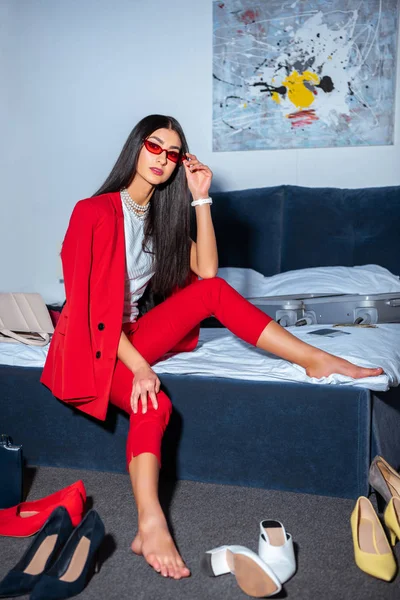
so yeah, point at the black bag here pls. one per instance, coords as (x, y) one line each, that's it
(10, 472)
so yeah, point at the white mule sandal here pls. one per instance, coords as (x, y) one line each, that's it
(253, 576)
(275, 548)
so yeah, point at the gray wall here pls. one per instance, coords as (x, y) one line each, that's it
(80, 74)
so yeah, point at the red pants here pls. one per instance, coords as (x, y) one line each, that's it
(174, 326)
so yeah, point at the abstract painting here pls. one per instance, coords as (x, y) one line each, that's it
(303, 73)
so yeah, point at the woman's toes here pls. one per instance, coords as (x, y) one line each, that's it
(171, 571)
(185, 572)
(369, 372)
(160, 552)
(378, 371)
(178, 574)
(164, 571)
(154, 562)
(182, 568)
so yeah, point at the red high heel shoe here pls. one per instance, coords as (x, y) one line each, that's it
(27, 518)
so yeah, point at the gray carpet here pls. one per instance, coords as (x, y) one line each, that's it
(204, 516)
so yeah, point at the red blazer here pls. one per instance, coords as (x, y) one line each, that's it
(83, 351)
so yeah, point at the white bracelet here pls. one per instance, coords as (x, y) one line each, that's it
(201, 201)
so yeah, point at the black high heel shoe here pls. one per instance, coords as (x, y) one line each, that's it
(39, 556)
(69, 574)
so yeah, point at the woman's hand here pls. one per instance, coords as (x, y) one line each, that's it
(198, 176)
(145, 383)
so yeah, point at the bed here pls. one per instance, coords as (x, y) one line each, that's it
(314, 437)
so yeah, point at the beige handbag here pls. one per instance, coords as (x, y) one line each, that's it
(24, 318)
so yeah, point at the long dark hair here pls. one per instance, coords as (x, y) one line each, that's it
(168, 220)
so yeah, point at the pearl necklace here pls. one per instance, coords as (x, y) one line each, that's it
(138, 210)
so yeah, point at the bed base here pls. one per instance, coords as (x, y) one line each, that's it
(274, 435)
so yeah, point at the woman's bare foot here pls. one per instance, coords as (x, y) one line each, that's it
(317, 363)
(326, 364)
(155, 543)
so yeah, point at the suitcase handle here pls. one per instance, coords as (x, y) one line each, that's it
(393, 302)
(5, 440)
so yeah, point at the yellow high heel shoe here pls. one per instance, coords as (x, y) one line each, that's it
(372, 552)
(392, 519)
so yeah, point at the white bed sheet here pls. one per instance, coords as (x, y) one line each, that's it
(363, 279)
(21, 355)
(221, 354)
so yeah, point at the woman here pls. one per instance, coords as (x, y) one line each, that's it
(133, 232)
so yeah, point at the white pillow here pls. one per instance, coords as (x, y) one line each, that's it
(366, 279)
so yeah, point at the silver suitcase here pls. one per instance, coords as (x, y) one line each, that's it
(367, 309)
(312, 309)
(285, 310)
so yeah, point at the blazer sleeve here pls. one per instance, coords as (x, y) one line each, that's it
(77, 254)
(68, 370)
(77, 258)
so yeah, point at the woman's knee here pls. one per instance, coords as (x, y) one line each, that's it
(213, 288)
(164, 409)
(158, 417)
(213, 284)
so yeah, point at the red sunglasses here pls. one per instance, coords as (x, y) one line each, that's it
(172, 155)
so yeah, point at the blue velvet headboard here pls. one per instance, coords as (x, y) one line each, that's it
(288, 227)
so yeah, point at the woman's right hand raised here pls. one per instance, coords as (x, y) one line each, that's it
(145, 383)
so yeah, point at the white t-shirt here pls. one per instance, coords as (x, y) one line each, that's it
(139, 264)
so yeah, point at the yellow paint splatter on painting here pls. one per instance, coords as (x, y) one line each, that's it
(275, 97)
(298, 94)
